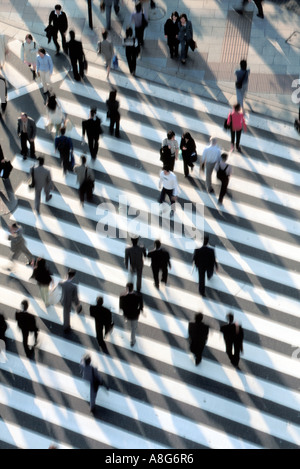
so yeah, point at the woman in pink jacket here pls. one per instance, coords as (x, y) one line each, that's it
(236, 122)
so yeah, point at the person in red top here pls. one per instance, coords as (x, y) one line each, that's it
(236, 121)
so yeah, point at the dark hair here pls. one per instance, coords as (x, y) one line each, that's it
(198, 317)
(99, 300)
(205, 239)
(138, 7)
(224, 156)
(134, 241)
(87, 359)
(237, 107)
(28, 36)
(170, 134)
(93, 111)
(157, 243)
(71, 273)
(25, 305)
(42, 50)
(57, 7)
(51, 102)
(62, 131)
(166, 168)
(187, 135)
(40, 263)
(41, 160)
(174, 13)
(104, 34)
(83, 159)
(183, 15)
(112, 95)
(72, 34)
(130, 286)
(243, 64)
(129, 32)
(230, 317)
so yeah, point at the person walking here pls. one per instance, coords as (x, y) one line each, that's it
(134, 258)
(131, 303)
(3, 329)
(44, 69)
(237, 123)
(75, 52)
(3, 95)
(106, 5)
(27, 323)
(224, 171)
(113, 113)
(42, 181)
(198, 334)
(18, 244)
(189, 154)
(94, 378)
(92, 128)
(29, 53)
(64, 145)
(160, 261)
(42, 275)
(205, 261)
(86, 180)
(171, 30)
(173, 146)
(210, 156)
(233, 334)
(69, 296)
(106, 48)
(242, 81)
(139, 21)
(103, 319)
(59, 22)
(169, 186)
(55, 115)
(26, 130)
(131, 50)
(260, 13)
(184, 36)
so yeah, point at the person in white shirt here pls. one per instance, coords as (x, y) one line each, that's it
(169, 186)
(211, 155)
(29, 53)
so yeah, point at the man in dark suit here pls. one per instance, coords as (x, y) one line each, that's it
(205, 261)
(103, 319)
(42, 180)
(75, 52)
(27, 132)
(198, 333)
(134, 256)
(131, 303)
(233, 335)
(27, 323)
(68, 297)
(64, 145)
(92, 127)
(59, 22)
(160, 260)
(3, 94)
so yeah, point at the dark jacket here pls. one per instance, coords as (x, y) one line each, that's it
(190, 146)
(198, 333)
(159, 258)
(171, 30)
(74, 49)
(92, 127)
(131, 304)
(26, 321)
(102, 316)
(6, 167)
(204, 258)
(112, 109)
(233, 334)
(135, 256)
(42, 276)
(185, 32)
(60, 22)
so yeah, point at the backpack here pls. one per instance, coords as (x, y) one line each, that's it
(165, 153)
(221, 173)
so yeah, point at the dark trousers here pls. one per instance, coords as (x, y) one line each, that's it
(139, 34)
(202, 272)
(63, 40)
(173, 44)
(164, 277)
(114, 122)
(131, 58)
(164, 192)
(77, 68)
(99, 335)
(223, 190)
(25, 340)
(258, 3)
(197, 351)
(85, 189)
(236, 135)
(65, 161)
(170, 163)
(186, 164)
(24, 150)
(93, 143)
(235, 356)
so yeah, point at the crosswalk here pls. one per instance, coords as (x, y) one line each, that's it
(158, 398)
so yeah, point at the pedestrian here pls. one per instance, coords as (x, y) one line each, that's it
(237, 123)
(29, 53)
(42, 181)
(26, 130)
(139, 21)
(171, 30)
(242, 7)
(172, 155)
(27, 323)
(55, 115)
(184, 36)
(69, 296)
(224, 171)
(106, 48)
(5, 166)
(189, 153)
(131, 303)
(42, 275)
(64, 145)
(260, 13)
(210, 156)
(59, 22)
(145, 4)
(233, 334)
(86, 180)
(3, 329)
(103, 319)
(75, 51)
(205, 261)
(241, 84)
(134, 259)
(3, 94)
(131, 49)
(113, 113)
(18, 244)
(93, 376)
(198, 334)
(3, 50)
(92, 128)
(169, 186)
(44, 69)
(106, 5)
(160, 261)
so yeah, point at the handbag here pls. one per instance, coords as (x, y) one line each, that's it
(193, 45)
(193, 157)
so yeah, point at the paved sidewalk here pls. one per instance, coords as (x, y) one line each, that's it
(271, 46)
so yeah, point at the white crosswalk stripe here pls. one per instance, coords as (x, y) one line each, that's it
(158, 398)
